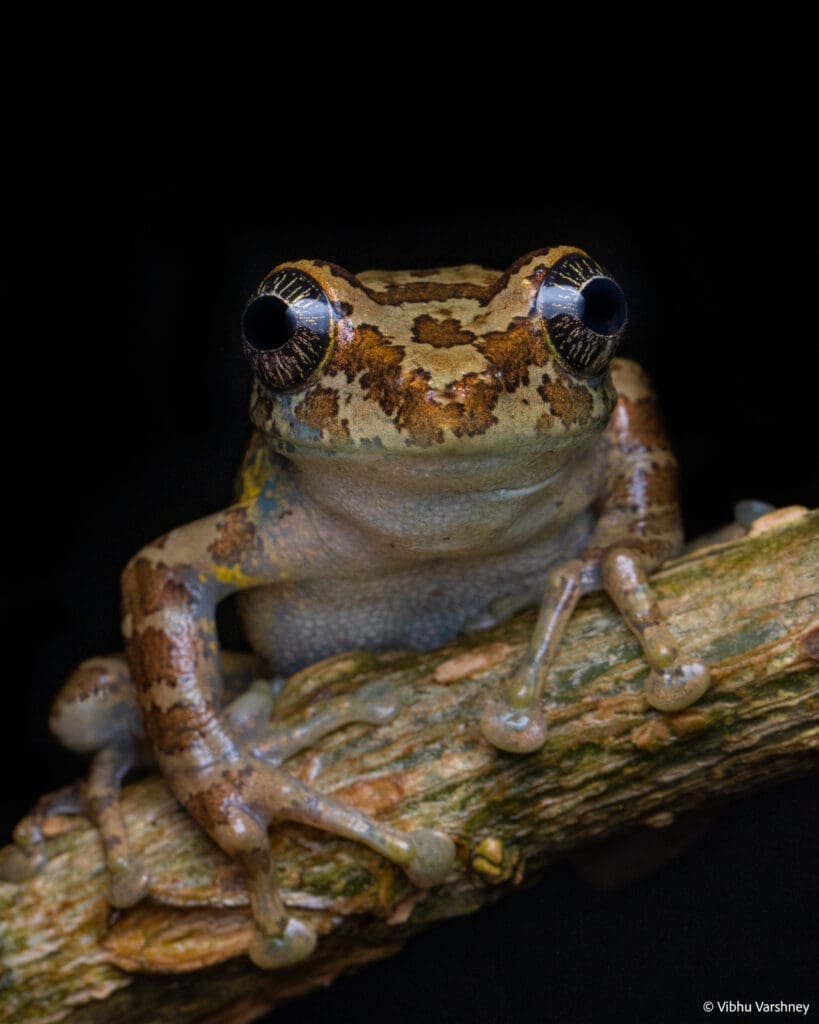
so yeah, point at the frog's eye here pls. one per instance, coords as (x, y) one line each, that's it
(287, 329)
(585, 313)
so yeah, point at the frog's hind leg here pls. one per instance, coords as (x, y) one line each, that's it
(425, 855)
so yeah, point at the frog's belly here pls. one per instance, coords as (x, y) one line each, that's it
(422, 606)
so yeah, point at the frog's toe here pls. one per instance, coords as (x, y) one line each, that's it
(517, 730)
(128, 885)
(433, 858)
(675, 688)
(17, 864)
(273, 951)
(746, 512)
(377, 702)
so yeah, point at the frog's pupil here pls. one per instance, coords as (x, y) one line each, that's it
(268, 323)
(602, 306)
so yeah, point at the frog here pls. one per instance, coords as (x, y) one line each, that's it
(431, 450)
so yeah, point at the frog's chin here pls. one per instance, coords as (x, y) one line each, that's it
(456, 505)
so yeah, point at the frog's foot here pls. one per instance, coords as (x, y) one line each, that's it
(432, 860)
(673, 689)
(673, 682)
(17, 864)
(516, 730)
(296, 943)
(238, 821)
(747, 512)
(129, 883)
(374, 703)
(26, 856)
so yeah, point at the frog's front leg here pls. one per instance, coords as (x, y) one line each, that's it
(639, 526)
(224, 774)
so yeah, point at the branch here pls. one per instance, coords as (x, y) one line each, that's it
(749, 607)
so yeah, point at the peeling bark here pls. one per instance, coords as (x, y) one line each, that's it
(749, 607)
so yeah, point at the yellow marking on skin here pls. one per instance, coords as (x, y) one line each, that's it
(254, 477)
(232, 576)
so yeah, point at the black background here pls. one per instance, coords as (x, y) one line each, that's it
(126, 358)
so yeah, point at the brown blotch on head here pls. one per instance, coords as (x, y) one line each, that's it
(235, 534)
(464, 407)
(319, 410)
(440, 333)
(512, 353)
(466, 411)
(570, 402)
(369, 354)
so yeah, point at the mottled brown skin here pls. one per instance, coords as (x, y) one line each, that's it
(441, 464)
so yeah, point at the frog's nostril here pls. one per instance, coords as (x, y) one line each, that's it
(602, 306)
(268, 323)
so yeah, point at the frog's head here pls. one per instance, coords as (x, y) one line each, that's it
(462, 360)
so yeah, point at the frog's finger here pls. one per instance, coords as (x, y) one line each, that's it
(375, 703)
(296, 943)
(516, 730)
(673, 682)
(514, 722)
(677, 687)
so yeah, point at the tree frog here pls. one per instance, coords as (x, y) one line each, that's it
(431, 450)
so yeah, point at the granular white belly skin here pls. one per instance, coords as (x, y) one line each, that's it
(421, 606)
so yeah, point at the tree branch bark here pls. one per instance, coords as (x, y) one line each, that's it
(749, 607)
